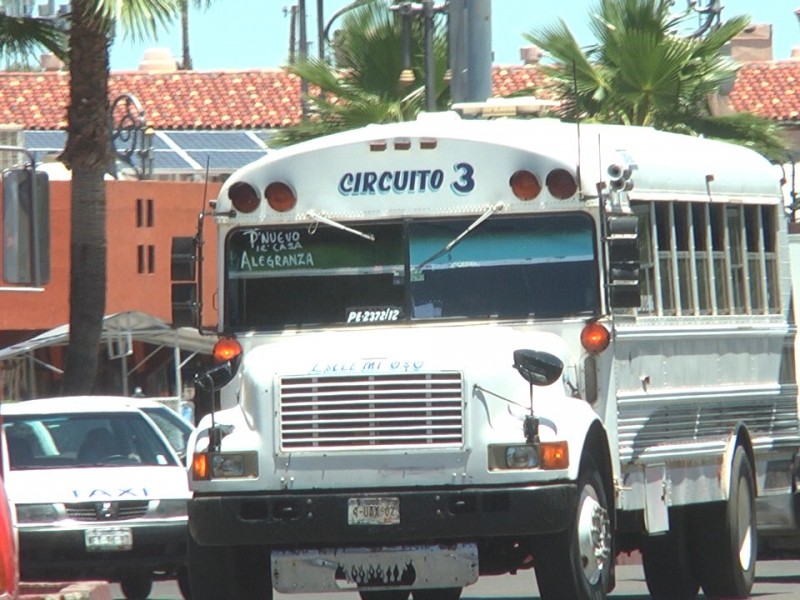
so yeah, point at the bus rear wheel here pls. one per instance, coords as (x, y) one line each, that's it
(726, 542)
(667, 562)
(576, 563)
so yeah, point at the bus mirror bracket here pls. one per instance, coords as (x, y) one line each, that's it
(622, 251)
(186, 273)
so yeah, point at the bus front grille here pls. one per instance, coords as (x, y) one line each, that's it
(383, 411)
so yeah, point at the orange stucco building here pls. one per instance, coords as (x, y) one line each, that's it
(142, 219)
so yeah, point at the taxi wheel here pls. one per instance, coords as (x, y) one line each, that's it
(184, 585)
(136, 587)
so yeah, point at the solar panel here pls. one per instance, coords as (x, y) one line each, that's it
(226, 159)
(214, 140)
(178, 151)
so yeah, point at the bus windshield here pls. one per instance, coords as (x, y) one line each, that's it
(506, 267)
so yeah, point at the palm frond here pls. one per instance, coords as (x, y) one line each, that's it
(21, 37)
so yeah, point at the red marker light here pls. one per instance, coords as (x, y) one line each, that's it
(595, 338)
(525, 185)
(244, 197)
(280, 196)
(226, 349)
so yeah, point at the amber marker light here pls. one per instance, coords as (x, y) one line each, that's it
(280, 196)
(226, 349)
(525, 185)
(554, 455)
(244, 197)
(200, 466)
(595, 338)
(561, 184)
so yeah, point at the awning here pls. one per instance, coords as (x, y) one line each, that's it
(120, 329)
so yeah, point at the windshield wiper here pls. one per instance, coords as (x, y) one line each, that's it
(320, 219)
(460, 237)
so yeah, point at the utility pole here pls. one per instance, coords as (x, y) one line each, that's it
(470, 41)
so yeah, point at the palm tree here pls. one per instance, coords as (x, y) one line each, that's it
(88, 155)
(21, 37)
(642, 71)
(364, 87)
(186, 64)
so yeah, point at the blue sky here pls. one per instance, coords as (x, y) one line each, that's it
(247, 34)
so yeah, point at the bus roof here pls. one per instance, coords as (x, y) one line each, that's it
(663, 165)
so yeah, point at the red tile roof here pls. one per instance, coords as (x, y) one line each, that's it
(270, 98)
(770, 89)
(180, 100)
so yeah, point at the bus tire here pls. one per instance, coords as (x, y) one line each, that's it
(217, 572)
(437, 594)
(726, 540)
(667, 563)
(577, 562)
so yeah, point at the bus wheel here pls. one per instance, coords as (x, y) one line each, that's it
(438, 594)
(725, 536)
(577, 562)
(241, 572)
(667, 563)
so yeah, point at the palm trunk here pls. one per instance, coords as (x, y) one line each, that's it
(88, 154)
(187, 58)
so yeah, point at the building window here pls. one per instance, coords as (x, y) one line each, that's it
(145, 212)
(146, 258)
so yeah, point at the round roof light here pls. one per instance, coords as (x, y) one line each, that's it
(280, 196)
(561, 184)
(226, 349)
(244, 197)
(525, 185)
(595, 338)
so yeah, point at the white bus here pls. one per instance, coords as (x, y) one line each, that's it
(460, 347)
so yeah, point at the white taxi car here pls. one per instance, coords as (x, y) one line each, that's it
(99, 493)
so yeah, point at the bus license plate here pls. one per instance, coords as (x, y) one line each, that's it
(103, 539)
(373, 511)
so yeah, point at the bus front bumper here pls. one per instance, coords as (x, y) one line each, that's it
(292, 520)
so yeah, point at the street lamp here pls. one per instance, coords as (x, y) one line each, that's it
(131, 137)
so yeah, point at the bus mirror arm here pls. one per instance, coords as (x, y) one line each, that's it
(537, 368)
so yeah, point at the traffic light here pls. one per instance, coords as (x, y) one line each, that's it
(26, 227)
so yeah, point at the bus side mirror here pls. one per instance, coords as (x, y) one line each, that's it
(26, 227)
(183, 268)
(622, 243)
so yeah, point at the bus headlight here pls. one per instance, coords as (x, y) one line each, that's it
(224, 465)
(544, 455)
(522, 457)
